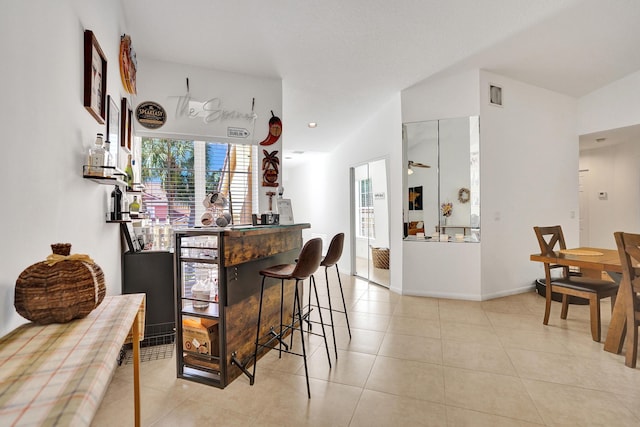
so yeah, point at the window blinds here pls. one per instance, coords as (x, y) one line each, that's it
(177, 174)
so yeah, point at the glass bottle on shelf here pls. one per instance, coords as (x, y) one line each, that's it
(129, 171)
(96, 158)
(134, 207)
(116, 204)
(108, 159)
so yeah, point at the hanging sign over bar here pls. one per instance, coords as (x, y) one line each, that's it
(151, 115)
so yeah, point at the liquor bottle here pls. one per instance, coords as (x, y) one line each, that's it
(129, 171)
(134, 207)
(96, 158)
(116, 204)
(108, 159)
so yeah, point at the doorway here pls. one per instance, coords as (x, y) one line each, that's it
(370, 222)
(583, 214)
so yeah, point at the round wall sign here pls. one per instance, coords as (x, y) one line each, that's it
(151, 114)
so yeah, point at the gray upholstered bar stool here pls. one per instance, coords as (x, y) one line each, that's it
(307, 264)
(331, 259)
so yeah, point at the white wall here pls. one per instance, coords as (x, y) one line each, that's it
(46, 134)
(615, 170)
(320, 189)
(612, 106)
(529, 176)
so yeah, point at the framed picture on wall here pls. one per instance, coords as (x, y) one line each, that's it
(415, 198)
(95, 77)
(113, 129)
(130, 237)
(126, 114)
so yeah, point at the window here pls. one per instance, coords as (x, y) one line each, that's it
(177, 174)
(366, 217)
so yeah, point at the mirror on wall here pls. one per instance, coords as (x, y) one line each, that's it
(442, 191)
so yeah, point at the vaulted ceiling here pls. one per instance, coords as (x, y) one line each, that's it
(339, 60)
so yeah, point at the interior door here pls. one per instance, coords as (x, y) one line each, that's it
(583, 215)
(370, 222)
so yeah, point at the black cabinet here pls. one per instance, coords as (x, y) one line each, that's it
(152, 273)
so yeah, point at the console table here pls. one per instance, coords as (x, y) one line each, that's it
(57, 374)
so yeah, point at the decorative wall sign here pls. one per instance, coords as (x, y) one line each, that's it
(210, 111)
(125, 124)
(151, 114)
(128, 64)
(275, 130)
(95, 77)
(237, 132)
(270, 166)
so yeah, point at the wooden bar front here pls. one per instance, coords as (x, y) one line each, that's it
(247, 250)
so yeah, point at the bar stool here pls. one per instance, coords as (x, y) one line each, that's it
(330, 259)
(308, 262)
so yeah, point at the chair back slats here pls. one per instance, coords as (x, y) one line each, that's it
(308, 260)
(335, 251)
(629, 251)
(548, 238)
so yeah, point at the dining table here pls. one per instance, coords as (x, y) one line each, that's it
(593, 262)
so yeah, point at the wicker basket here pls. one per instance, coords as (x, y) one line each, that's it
(60, 289)
(380, 257)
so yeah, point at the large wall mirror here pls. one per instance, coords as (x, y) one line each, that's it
(442, 191)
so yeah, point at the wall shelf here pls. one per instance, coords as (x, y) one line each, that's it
(117, 176)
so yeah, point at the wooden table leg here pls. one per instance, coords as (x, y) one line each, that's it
(617, 327)
(136, 368)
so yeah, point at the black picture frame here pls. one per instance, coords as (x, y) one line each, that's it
(126, 115)
(126, 228)
(415, 198)
(95, 77)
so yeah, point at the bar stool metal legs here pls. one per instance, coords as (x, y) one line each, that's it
(333, 255)
(308, 263)
(305, 317)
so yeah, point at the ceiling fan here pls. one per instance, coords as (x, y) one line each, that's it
(413, 164)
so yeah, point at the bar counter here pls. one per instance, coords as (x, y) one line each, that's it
(242, 252)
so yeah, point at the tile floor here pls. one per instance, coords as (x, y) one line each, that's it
(411, 362)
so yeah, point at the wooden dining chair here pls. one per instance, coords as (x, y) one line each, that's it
(551, 239)
(629, 250)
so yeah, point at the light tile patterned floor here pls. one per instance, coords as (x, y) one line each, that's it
(411, 362)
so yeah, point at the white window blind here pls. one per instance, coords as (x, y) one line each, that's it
(177, 174)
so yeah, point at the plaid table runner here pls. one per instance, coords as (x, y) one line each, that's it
(57, 374)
